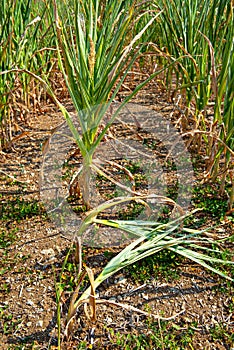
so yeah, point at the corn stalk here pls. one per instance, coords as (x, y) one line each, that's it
(202, 31)
(25, 39)
(96, 51)
(152, 238)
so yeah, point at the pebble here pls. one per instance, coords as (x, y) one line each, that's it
(39, 323)
(145, 296)
(49, 252)
(30, 302)
(122, 280)
(108, 320)
(220, 230)
(113, 299)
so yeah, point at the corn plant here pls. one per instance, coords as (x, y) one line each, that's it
(202, 32)
(96, 51)
(182, 24)
(25, 38)
(152, 238)
(223, 117)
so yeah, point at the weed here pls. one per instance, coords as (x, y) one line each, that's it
(8, 323)
(162, 265)
(7, 238)
(133, 167)
(159, 335)
(83, 345)
(19, 209)
(208, 198)
(221, 333)
(131, 211)
(225, 255)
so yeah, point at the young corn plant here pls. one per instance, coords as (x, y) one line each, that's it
(96, 51)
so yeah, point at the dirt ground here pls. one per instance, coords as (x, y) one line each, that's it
(196, 304)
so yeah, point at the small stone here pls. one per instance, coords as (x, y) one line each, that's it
(145, 296)
(112, 299)
(108, 320)
(30, 302)
(49, 252)
(28, 324)
(39, 323)
(58, 249)
(122, 280)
